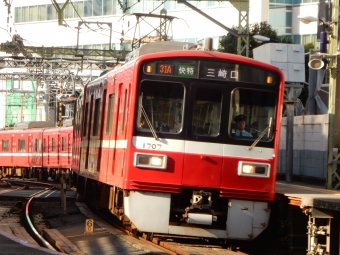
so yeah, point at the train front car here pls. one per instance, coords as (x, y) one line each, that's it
(161, 145)
(190, 170)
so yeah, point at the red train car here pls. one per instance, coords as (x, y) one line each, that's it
(35, 146)
(158, 142)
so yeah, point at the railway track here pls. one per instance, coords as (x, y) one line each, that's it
(34, 201)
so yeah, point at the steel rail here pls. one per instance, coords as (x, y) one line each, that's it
(27, 220)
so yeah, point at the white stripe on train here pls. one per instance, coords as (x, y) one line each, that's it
(182, 146)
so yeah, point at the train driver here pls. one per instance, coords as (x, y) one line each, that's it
(240, 121)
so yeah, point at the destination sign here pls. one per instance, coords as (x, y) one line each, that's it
(221, 73)
(211, 70)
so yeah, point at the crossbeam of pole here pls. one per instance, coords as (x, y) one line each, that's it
(44, 52)
(83, 79)
(40, 63)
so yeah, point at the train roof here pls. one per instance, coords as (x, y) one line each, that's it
(161, 46)
(32, 124)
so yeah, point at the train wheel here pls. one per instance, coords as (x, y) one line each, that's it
(147, 236)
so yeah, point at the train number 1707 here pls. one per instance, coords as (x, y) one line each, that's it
(152, 146)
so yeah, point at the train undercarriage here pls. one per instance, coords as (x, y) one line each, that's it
(200, 213)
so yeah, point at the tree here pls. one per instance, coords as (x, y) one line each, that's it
(228, 43)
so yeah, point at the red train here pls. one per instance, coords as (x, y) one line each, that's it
(157, 142)
(35, 148)
(181, 142)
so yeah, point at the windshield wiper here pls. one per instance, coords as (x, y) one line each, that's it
(261, 135)
(153, 131)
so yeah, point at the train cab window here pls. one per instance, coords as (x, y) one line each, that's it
(53, 144)
(160, 107)
(109, 117)
(5, 145)
(63, 142)
(252, 114)
(22, 145)
(37, 145)
(207, 112)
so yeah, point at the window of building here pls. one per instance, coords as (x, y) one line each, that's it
(87, 8)
(68, 12)
(18, 15)
(42, 10)
(5, 145)
(97, 8)
(79, 7)
(51, 12)
(305, 39)
(283, 1)
(107, 7)
(33, 13)
(25, 14)
(280, 18)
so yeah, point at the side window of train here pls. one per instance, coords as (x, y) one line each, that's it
(37, 145)
(110, 112)
(22, 145)
(252, 114)
(96, 117)
(207, 112)
(160, 107)
(63, 142)
(53, 144)
(86, 118)
(5, 147)
(124, 111)
(45, 145)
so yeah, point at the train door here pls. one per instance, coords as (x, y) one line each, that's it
(100, 132)
(121, 143)
(94, 143)
(203, 148)
(85, 146)
(111, 120)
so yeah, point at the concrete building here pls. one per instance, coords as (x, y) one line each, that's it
(36, 20)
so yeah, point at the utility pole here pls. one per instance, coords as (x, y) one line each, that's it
(333, 105)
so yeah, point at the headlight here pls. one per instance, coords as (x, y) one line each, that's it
(150, 161)
(253, 169)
